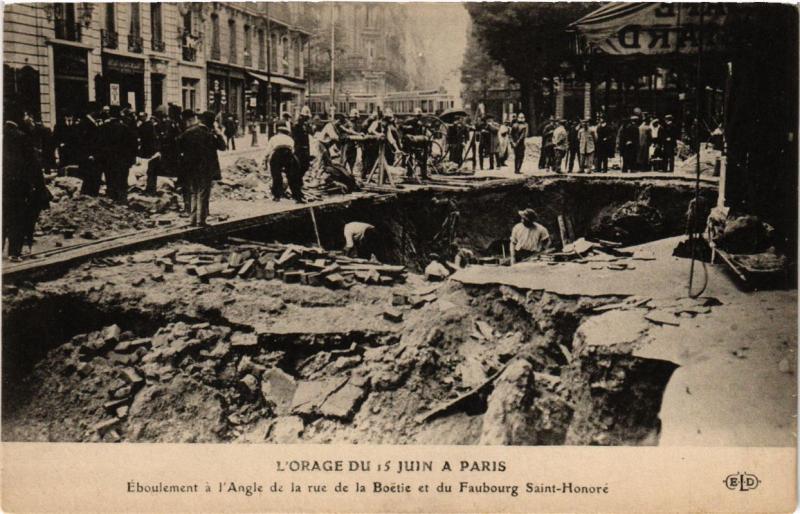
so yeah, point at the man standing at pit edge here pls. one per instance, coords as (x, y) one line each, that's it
(198, 147)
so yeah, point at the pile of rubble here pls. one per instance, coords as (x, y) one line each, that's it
(243, 180)
(74, 215)
(599, 255)
(294, 264)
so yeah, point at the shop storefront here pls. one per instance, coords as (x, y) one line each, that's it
(70, 70)
(158, 80)
(122, 82)
(226, 87)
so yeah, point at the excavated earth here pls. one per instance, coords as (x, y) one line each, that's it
(122, 349)
(173, 359)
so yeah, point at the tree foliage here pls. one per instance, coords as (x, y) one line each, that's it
(479, 72)
(528, 39)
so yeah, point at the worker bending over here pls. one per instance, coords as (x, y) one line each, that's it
(528, 238)
(281, 160)
(359, 239)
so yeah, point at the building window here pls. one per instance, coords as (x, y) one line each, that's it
(285, 55)
(232, 41)
(273, 51)
(368, 16)
(248, 56)
(157, 38)
(111, 18)
(187, 22)
(371, 50)
(215, 51)
(190, 39)
(65, 25)
(298, 56)
(262, 51)
(135, 32)
(108, 36)
(189, 93)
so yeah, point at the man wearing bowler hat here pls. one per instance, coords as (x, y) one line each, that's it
(198, 146)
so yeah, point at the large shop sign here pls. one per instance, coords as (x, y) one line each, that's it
(655, 28)
(123, 65)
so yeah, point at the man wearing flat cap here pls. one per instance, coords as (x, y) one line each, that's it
(528, 237)
(198, 146)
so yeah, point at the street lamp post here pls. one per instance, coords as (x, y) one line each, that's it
(253, 113)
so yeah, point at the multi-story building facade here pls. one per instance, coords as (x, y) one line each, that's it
(369, 54)
(59, 57)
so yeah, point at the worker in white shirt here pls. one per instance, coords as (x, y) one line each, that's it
(359, 239)
(528, 238)
(280, 160)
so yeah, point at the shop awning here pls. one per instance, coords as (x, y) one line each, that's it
(653, 28)
(280, 81)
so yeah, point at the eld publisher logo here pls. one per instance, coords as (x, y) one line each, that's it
(741, 482)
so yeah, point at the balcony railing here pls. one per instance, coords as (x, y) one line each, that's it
(135, 43)
(189, 44)
(248, 59)
(189, 53)
(109, 39)
(158, 45)
(216, 53)
(68, 31)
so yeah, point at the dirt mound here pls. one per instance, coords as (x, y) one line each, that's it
(631, 223)
(243, 180)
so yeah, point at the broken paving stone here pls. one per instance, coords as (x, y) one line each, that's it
(133, 345)
(471, 372)
(244, 340)
(663, 317)
(278, 388)
(310, 395)
(346, 362)
(105, 425)
(84, 369)
(286, 429)
(509, 417)
(247, 366)
(399, 299)
(342, 403)
(112, 333)
(122, 411)
(112, 405)
(131, 376)
(392, 314)
(485, 330)
(250, 382)
(436, 271)
(122, 392)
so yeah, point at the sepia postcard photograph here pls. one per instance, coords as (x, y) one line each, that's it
(399, 257)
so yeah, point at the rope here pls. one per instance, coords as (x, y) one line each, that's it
(692, 238)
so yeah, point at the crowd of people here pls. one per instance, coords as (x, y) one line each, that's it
(102, 145)
(487, 140)
(642, 141)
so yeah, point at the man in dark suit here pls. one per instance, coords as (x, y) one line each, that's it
(117, 149)
(302, 146)
(668, 142)
(197, 147)
(629, 144)
(24, 191)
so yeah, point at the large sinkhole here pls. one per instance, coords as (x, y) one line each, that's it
(123, 353)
